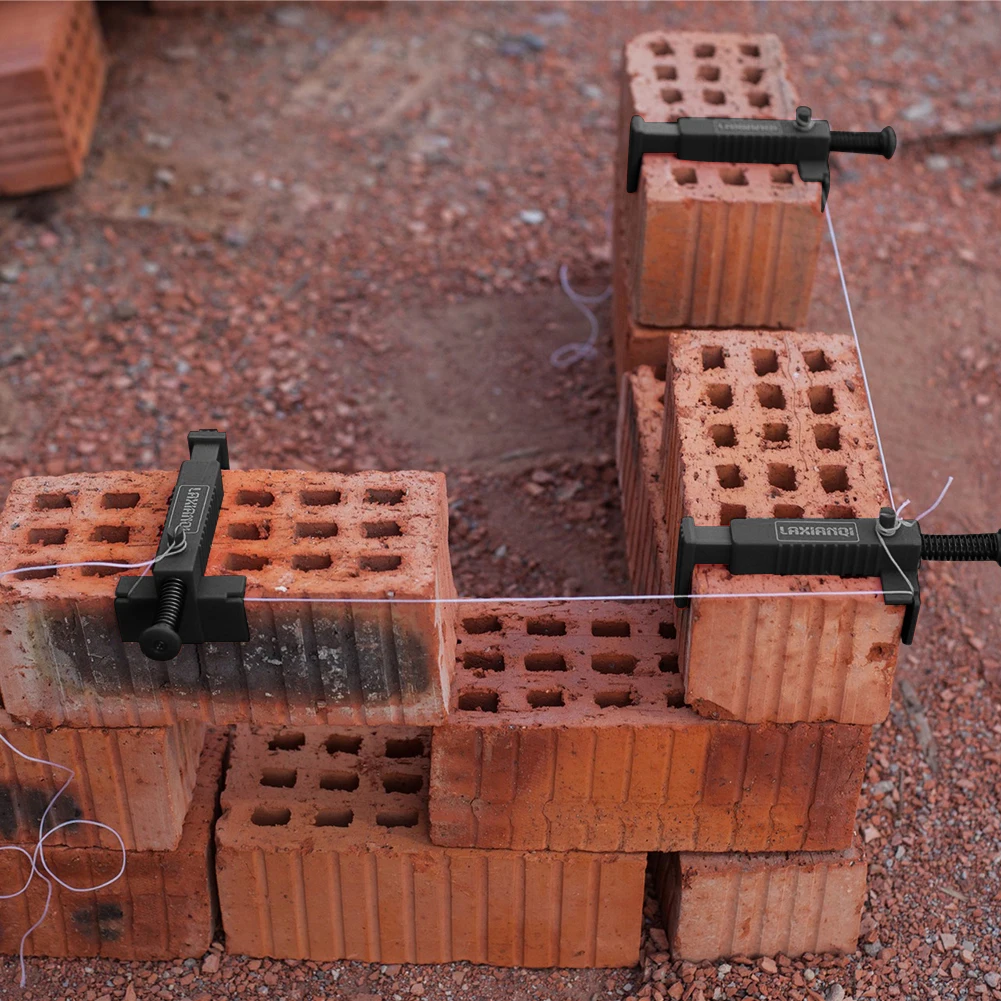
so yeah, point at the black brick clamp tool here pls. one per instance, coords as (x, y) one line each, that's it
(177, 604)
(806, 142)
(884, 547)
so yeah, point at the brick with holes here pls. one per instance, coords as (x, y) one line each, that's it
(717, 906)
(324, 854)
(712, 245)
(163, 907)
(763, 425)
(568, 732)
(294, 535)
(52, 67)
(138, 781)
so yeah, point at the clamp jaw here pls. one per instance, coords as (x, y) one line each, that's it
(805, 142)
(177, 604)
(883, 547)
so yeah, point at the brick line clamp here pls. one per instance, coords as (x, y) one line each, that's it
(886, 547)
(178, 604)
(806, 142)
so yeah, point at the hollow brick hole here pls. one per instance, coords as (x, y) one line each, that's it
(834, 479)
(661, 48)
(787, 511)
(614, 700)
(780, 175)
(765, 360)
(491, 660)
(727, 512)
(380, 563)
(675, 700)
(248, 532)
(667, 631)
(839, 511)
(712, 357)
(308, 562)
(734, 176)
(708, 73)
(402, 782)
(822, 399)
(35, 574)
(387, 497)
(720, 395)
(759, 98)
(752, 74)
(547, 698)
(667, 73)
(55, 502)
(617, 628)
(545, 662)
(398, 818)
(777, 432)
(685, 175)
(723, 435)
(292, 741)
(712, 96)
(334, 817)
(405, 747)
(478, 701)
(271, 816)
(255, 498)
(671, 95)
(729, 476)
(828, 437)
(278, 778)
(342, 743)
(320, 498)
(114, 502)
(771, 396)
(613, 663)
(705, 50)
(49, 536)
(782, 476)
(546, 627)
(816, 360)
(381, 529)
(668, 663)
(747, 49)
(100, 571)
(339, 781)
(479, 624)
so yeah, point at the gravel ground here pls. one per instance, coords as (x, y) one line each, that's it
(336, 233)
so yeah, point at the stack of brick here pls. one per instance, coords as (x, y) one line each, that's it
(707, 244)
(52, 66)
(321, 546)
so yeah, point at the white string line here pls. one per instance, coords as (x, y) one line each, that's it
(941, 497)
(172, 550)
(39, 864)
(570, 354)
(858, 351)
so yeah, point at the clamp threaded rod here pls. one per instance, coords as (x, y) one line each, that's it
(962, 548)
(881, 143)
(161, 640)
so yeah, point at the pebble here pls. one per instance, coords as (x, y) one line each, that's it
(993, 980)
(533, 217)
(164, 176)
(10, 273)
(949, 940)
(835, 993)
(920, 110)
(521, 45)
(768, 964)
(937, 162)
(288, 15)
(180, 53)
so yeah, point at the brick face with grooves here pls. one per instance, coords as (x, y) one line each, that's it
(324, 853)
(163, 908)
(713, 244)
(293, 535)
(717, 906)
(52, 67)
(567, 732)
(138, 781)
(760, 425)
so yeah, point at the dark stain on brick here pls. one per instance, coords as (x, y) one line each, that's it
(21, 809)
(106, 918)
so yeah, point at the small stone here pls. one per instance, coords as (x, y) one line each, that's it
(809, 975)
(179, 53)
(949, 940)
(835, 993)
(657, 935)
(937, 162)
(873, 948)
(993, 980)
(289, 16)
(870, 834)
(919, 111)
(533, 217)
(164, 176)
(10, 273)
(158, 140)
(965, 254)
(417, 989)
(124, 310)
(233, 236)
(211, 962)
(768, 964)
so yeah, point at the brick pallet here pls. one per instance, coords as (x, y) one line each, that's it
(52, 67)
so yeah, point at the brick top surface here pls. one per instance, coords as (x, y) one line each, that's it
(681, 74)
(297, 534)
(773, 425)
(27, 31)
(330, 788)
(565, 663)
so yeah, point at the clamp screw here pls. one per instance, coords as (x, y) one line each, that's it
(161, 640)
(962, 548)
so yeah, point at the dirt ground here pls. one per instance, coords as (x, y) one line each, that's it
(336, 231)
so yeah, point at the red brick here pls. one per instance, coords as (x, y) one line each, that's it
(765, 425)
(138, 781)
(52, 66)
(162, 908)
(717, 906)
(713, 245)
(292, 534)
(307, 889)
(578, 759)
